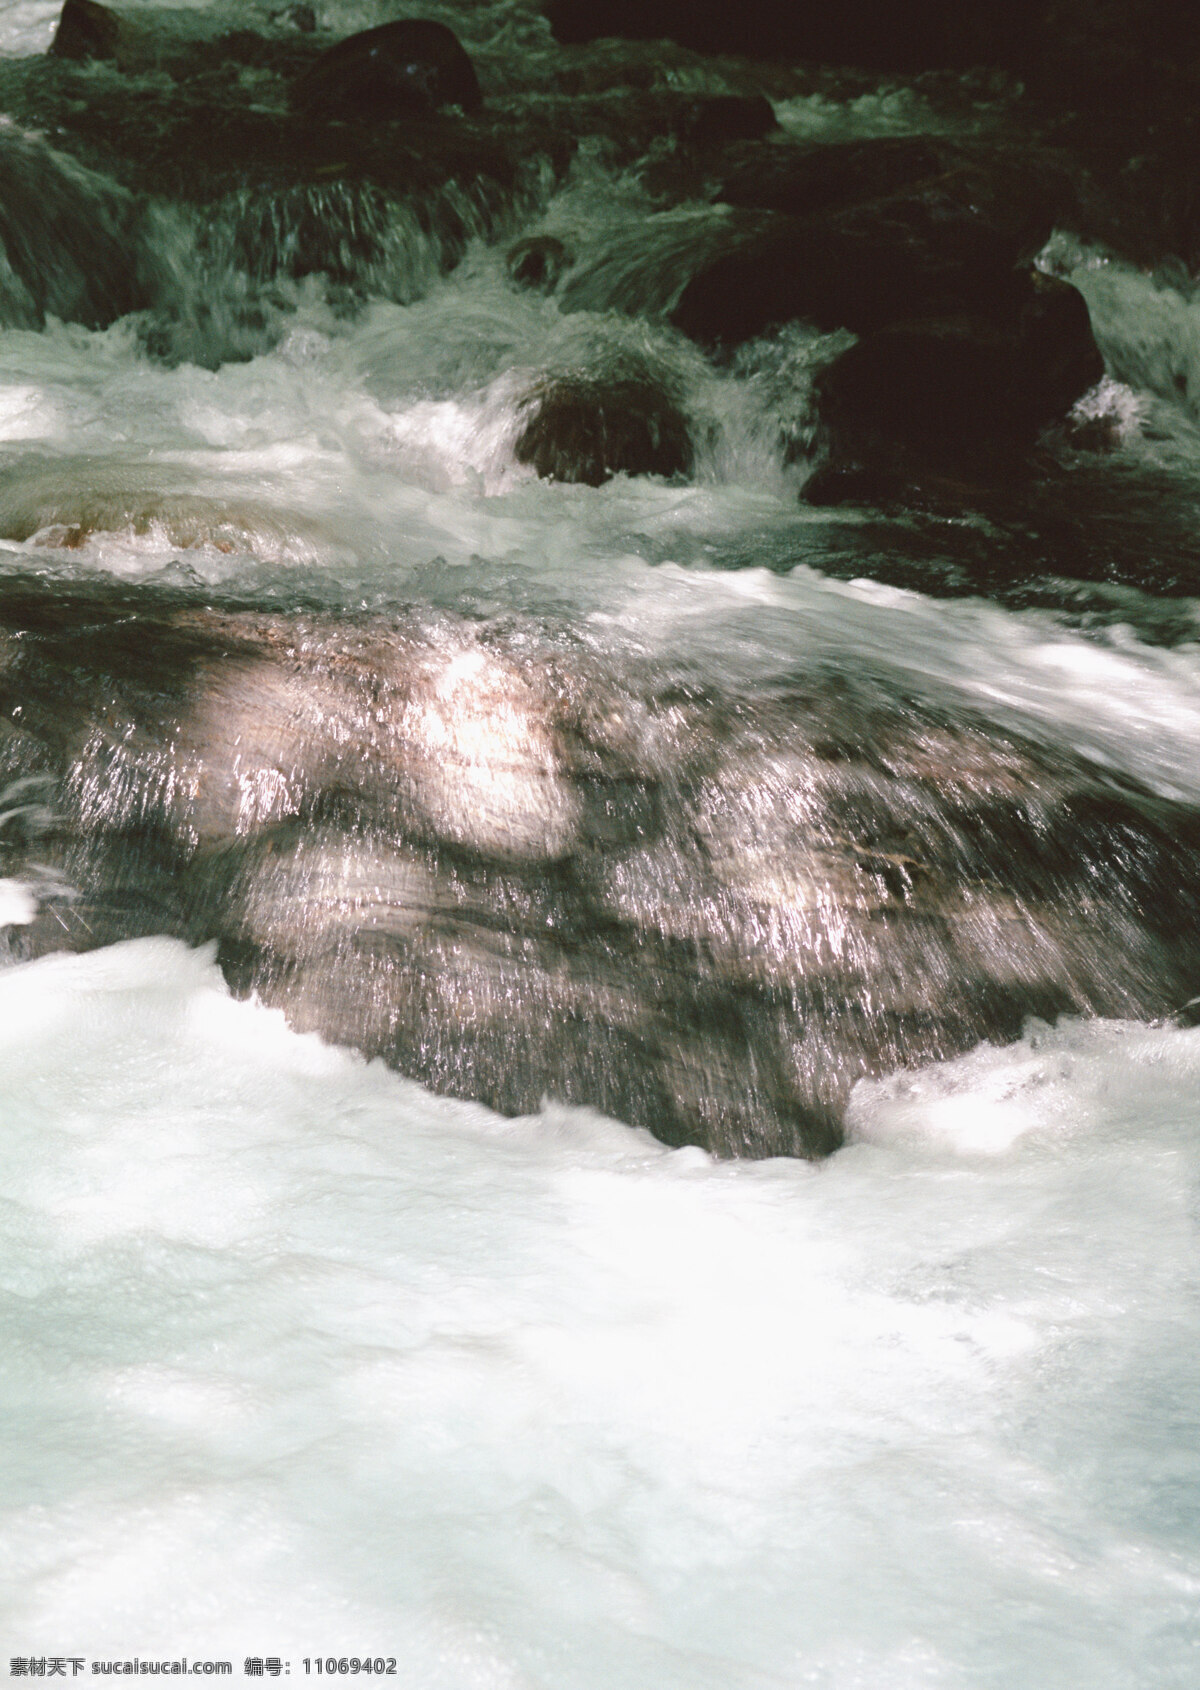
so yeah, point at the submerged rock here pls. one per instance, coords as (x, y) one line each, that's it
(539, 262)
(587, 429)
(40, 506)
(516, 866)
(412, 67)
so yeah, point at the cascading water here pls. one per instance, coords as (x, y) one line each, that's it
(627, 824)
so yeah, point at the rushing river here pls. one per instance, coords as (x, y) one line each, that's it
(303, 1357)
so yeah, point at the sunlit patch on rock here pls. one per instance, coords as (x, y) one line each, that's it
(513, 865)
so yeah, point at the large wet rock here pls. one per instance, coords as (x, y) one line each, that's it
(952, 391)
(514, 864)
(870, 243)
(809, 180)
(920, 246)
(412, 67)
(1017, 181)
(589, 428)
(721, 119)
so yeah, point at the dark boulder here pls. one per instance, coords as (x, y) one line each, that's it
(952, 381)
(952, 395)
(87, 30)
(587, 429)
(845, 481)
(411, 67)
(939, 246)
(1056, 358)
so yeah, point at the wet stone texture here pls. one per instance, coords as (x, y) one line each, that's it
(581, 429)
(510, 866)
(478, 845)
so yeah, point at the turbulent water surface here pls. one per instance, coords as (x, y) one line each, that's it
(666, 807)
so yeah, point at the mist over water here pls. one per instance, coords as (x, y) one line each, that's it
(302, 1357)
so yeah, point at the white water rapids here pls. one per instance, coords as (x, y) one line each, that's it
(300, 1360)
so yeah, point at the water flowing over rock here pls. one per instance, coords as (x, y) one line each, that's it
(538, 261)
(727, 877)
(70, 241)
(507, 864)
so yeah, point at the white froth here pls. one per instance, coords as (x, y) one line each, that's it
(329, 454)
(18, 903)
(27, 26)
(301, 1358)
(884, 111)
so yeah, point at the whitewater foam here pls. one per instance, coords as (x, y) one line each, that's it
(302, 1359)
